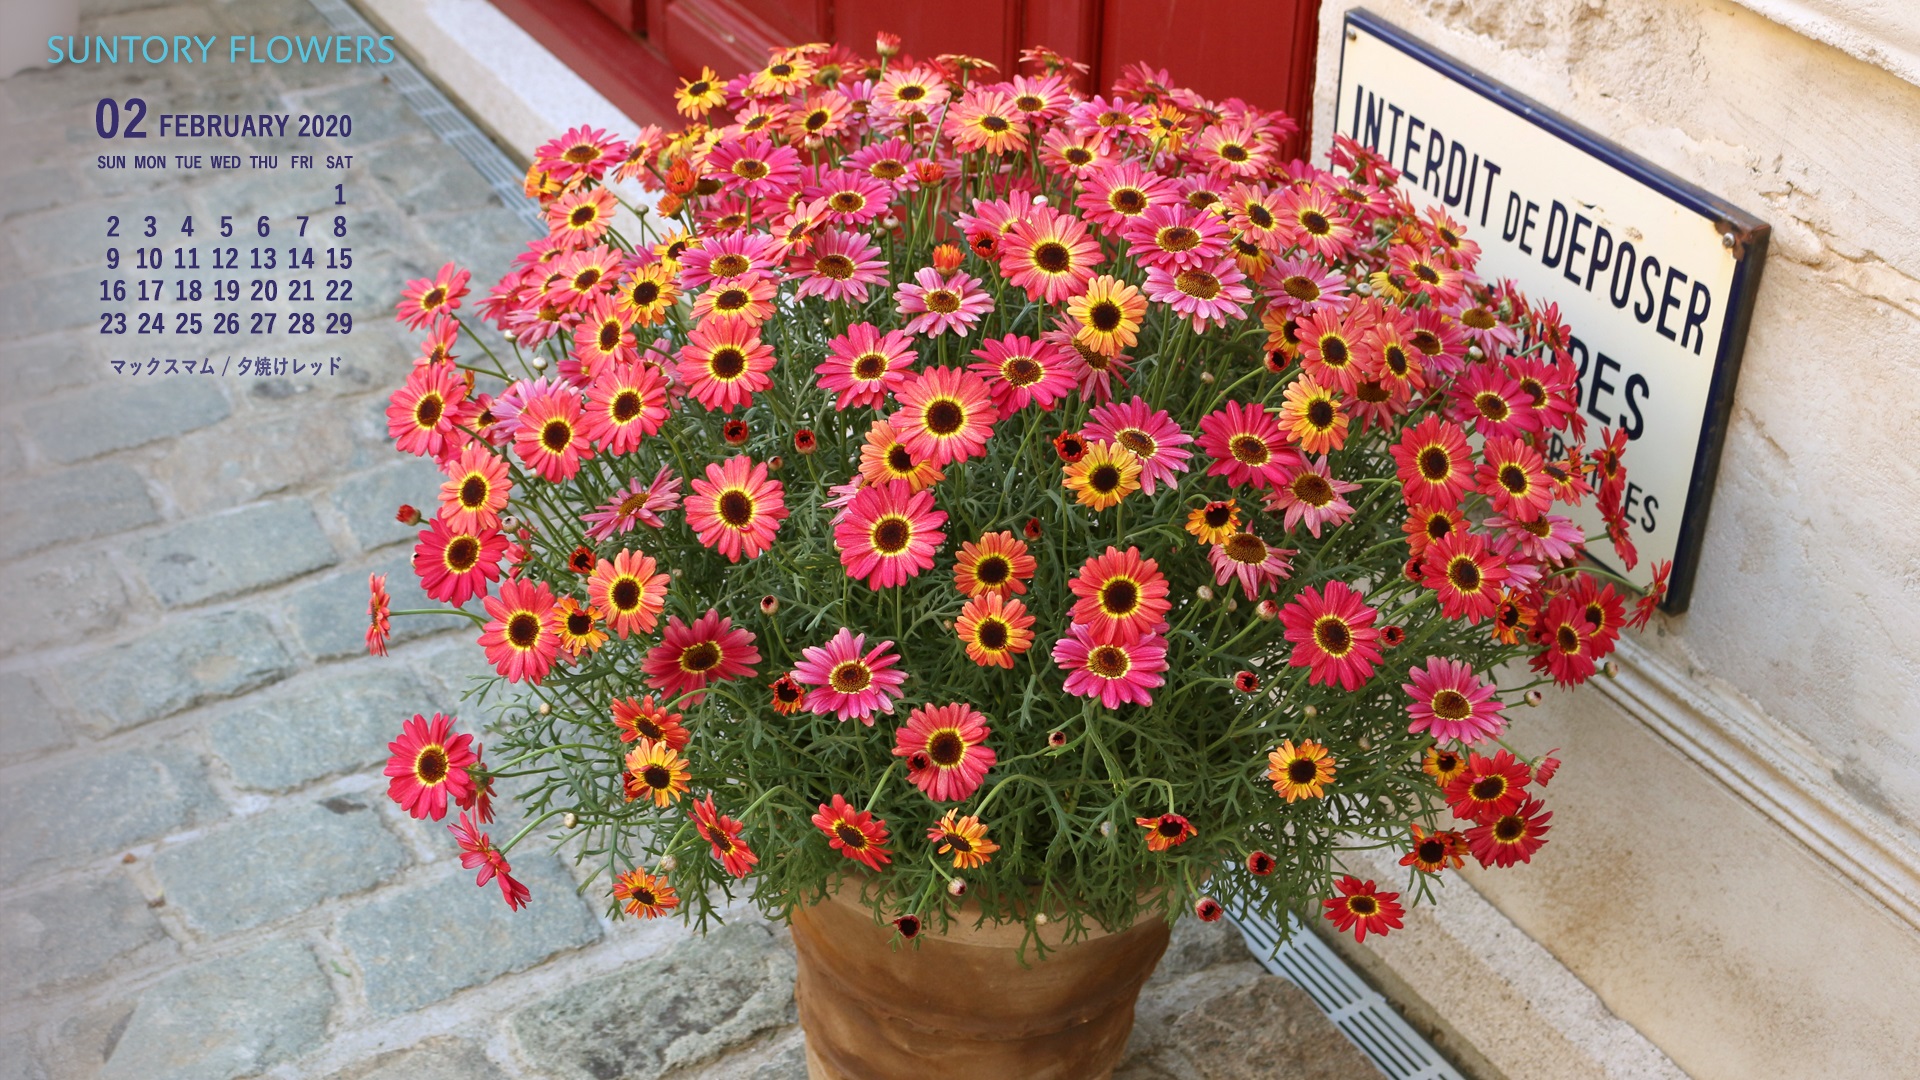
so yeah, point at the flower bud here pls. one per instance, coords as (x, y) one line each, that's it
(1392, 636)
(769, 604)
(735, 432)
(407, 515)
(1207, 377)
(509, 522)
(1204, 592)
(539, 363)
(1040, 919)
(1474, 353)
(1039, 200)
(1309, 711)
(569, 819)
(957, 887)
(544, 709)
(1246, 682)
(1612, 669)
(1208, 909)
(805, 442)
(1057, 739)
(1233, 603)
(1260, 864)
(1267, 610)
(668, 863)
(947, 258)
(776, 463)
(1534, 697)
(1106, 828)
(890, 222)
(908, 925)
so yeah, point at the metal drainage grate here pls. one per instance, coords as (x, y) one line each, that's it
(1354, 1007)
(445, 118)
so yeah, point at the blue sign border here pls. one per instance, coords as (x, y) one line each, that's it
(1743, 233)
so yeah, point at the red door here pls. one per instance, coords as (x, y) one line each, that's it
(636, 51)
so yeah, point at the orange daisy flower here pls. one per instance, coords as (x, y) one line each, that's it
(885, 457)
(630, 591)
(994, 629)
(1107, 473)
(1215, 522)
(647, 895)
(1314, 417)
(1109, 314)
(1300, 771)
(656, 771)
(641, 719)
(963, 837)
(578, 626)
(998, 563)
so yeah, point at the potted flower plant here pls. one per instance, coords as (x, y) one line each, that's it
(980, 522)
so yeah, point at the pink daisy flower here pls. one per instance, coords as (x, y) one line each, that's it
(946, 751)
(1301, 285)
(840, 266)
(888, 533)
(1549, 538)
(521, 636)
(888, 162)
(863, 366)
(939, 304)
(851, 197)
(725, 363)
(1494, 403)
(1150, 433)
(476, 490)
(1247, 445)
(849, 683)
(1207, 295)
(1111, 671)
(691, 658)
(735, 509)
(583, 153)
(429, 764)
(728, 256)
(1176, 237)
(1049, 254)
(1254, 563)
(1311, 495)
(1020, 371)
(426, 299)
(1452, 704)
(1123, 191)
(638, 503)
(1333, 635)
(945, 415)
(1514, 479)
(753, 167)
(551, 435)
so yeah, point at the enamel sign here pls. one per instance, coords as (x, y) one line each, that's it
(1655, 276)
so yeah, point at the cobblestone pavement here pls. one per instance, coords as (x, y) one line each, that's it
(200, 876)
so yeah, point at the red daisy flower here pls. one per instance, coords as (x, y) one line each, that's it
(1122, 597)
(1569, 652)
(1362, 909)
(551, 434)
(1488, 787)
(857, 834)
(1504, 839)
(1465, 574)
(476, 489)
(945, 415)
(1049, 254)
(1165, 831)
(423, 415)
(1332, 352)
(379, 625)
(1260, 864)
(642, 719)
(1493, 402)
(1247, 446)
(1333, 635)
(521, 637)
(478, 853)
(735, 509)
(889, 533)
(946, 751)
(863, 366)
(1515, 478)
(725, 363)
(429, 765)
(1434, 463)
(689, 658)
(722, 833)
(788, 695)
(630, 591)
(625, 403)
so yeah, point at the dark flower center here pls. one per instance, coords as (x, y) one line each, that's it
(556, 435)
(462, 553)
(1021, 371)
(626, 406)
(943, 301)
(1320, 413)
(850, 677)
(944, 417)
(992, 570)
(1363, 906)
(1514, 479)
(1108, 661)
(1452, 705)
(1478, 317)
(1179, 238)
(1128, 201)
(1492, 406)
(625, 594)
(582, 216)
(1464, 573)
(1120, 597)
(1431, 851)
(727, 363)
(523, 630)
(995, 124)
(426, 411)
(750, 169)
(736, 507)
(851, 836)
(1246, 548)
(1139, 442)
(1261, 218)
(1302, 771)
(869, 366)
(1312, 488)
(1316, 223)
(579, 624)
(899, 460)
(1333, 636)
(1217, 514)
(609, 336)
(701, 657)
(1197, 283)
(991, 634)
(1234, 152)
(1104, 316)
(946, 748)
(473, 492)
(891, 535)
(1334, 352)
(1509, 828)
(837, 267)
(1489, 788)
(1053, 257)
(1250, 450)
(1104, 479)
(656, 776)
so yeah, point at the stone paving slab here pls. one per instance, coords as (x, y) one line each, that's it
(85, 807)
(173, 667)
(326, 725)
(67, 932)
(226, 1018)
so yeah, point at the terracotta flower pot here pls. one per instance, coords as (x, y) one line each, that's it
(961, 1006)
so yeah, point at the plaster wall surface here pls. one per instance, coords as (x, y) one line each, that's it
(1693, 915)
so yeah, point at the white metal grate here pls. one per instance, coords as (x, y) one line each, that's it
(1354, 1007)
